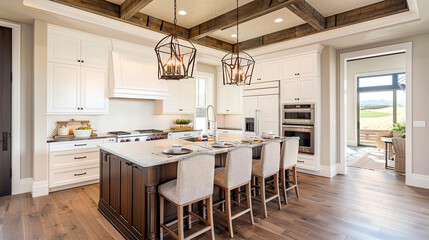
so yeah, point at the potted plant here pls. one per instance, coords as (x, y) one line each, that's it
(183, 123)
(399, 130)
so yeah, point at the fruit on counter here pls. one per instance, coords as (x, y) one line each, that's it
(84, 128)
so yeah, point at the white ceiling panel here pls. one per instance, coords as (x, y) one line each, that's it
(260, 26)
(331, 7)
(198, 11)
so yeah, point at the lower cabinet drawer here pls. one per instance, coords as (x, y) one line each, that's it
(61, 160)
(72, 176)
(306, 163)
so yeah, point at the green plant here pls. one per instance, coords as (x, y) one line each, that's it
(183, 121)
(399, 127)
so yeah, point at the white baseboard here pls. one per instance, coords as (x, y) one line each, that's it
(40, 189)
(325, 171)
(417, 180)
(22, 186)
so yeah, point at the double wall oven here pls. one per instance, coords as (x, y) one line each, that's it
(298, 121)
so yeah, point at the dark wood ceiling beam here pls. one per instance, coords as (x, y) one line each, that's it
(130, 7)
(370, 12)
(307, 13)
(246, 12)
(111, 10)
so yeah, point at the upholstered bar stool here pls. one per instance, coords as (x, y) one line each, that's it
(235, 174)
(289, 157)
(267, 166)
(194, 183)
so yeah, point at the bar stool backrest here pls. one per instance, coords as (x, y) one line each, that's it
(289, 155)
(238, 165)
(270, 158)
(195, 176)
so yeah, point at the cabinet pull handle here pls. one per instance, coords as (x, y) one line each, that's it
(80, 145)
(128, 164)
(79, 174)
(80, 157)
(227, 110)
(82, 61)
(300, 161)
(78, 60)
(187, 134)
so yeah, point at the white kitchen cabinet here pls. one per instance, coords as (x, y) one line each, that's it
(306, 65)
(299, 90)
(76, 48)
(74, 163)
(76, 90)
(77, 72)
(182, 98)
(93, 90)
(63, 93)
(229, 100)
(266, 71)
(228, 96)
(250, 105)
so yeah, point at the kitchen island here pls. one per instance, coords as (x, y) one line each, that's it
(130, 174)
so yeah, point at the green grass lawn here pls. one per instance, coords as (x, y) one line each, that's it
(380, 119)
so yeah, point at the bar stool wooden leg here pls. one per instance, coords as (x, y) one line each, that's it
(180, 230)
(253, 184)
(228, 212)
(210, 216)
(276, 189)
(189, 216)
(262, 187)
(295, 176)
(283, 184)
(161, 217)
(249, 201)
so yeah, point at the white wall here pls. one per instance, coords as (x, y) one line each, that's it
(366, 66)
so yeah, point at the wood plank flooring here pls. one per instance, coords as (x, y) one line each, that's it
(361, 205)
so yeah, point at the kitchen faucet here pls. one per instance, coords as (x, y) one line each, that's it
(214, 122)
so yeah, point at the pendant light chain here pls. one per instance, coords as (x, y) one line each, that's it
(237, 28)
(175, 18)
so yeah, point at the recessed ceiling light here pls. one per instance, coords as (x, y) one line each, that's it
(278, 20)
(234, 35)
(182, 12)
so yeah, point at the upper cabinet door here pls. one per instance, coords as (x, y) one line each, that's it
(171, 105)
(268, 71)
(289, 90)
(94, 90)
(63, 88)
(187, 96)
(307, 65)
(94, 53)
(288, 68)
(64, 48)
(307, 89)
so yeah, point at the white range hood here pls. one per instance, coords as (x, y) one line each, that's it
(135, 73)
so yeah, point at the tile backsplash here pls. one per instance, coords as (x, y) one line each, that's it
(124, 114)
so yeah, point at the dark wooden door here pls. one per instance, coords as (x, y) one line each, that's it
(114, 185)
(5, 110)
(138, 203)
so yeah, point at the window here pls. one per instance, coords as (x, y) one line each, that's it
(204, 88)
(381, 100)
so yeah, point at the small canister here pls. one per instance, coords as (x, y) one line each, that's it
(63, 131)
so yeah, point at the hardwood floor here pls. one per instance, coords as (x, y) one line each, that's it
(362, 205)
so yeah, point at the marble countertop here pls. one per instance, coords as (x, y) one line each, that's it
(73, 138)
(149, 154)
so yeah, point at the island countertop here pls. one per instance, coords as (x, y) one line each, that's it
(149, 154)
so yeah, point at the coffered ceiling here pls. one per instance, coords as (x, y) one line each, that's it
(211, 22)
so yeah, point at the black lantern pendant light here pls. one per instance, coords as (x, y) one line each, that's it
(176, 58)
(237, 68)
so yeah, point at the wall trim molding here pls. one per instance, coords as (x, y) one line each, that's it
(418, 180)
(18, 185)
(40, 188)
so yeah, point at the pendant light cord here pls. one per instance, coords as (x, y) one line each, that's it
(175, 19)
(237, 28)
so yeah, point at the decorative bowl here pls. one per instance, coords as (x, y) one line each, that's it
(86, 133)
